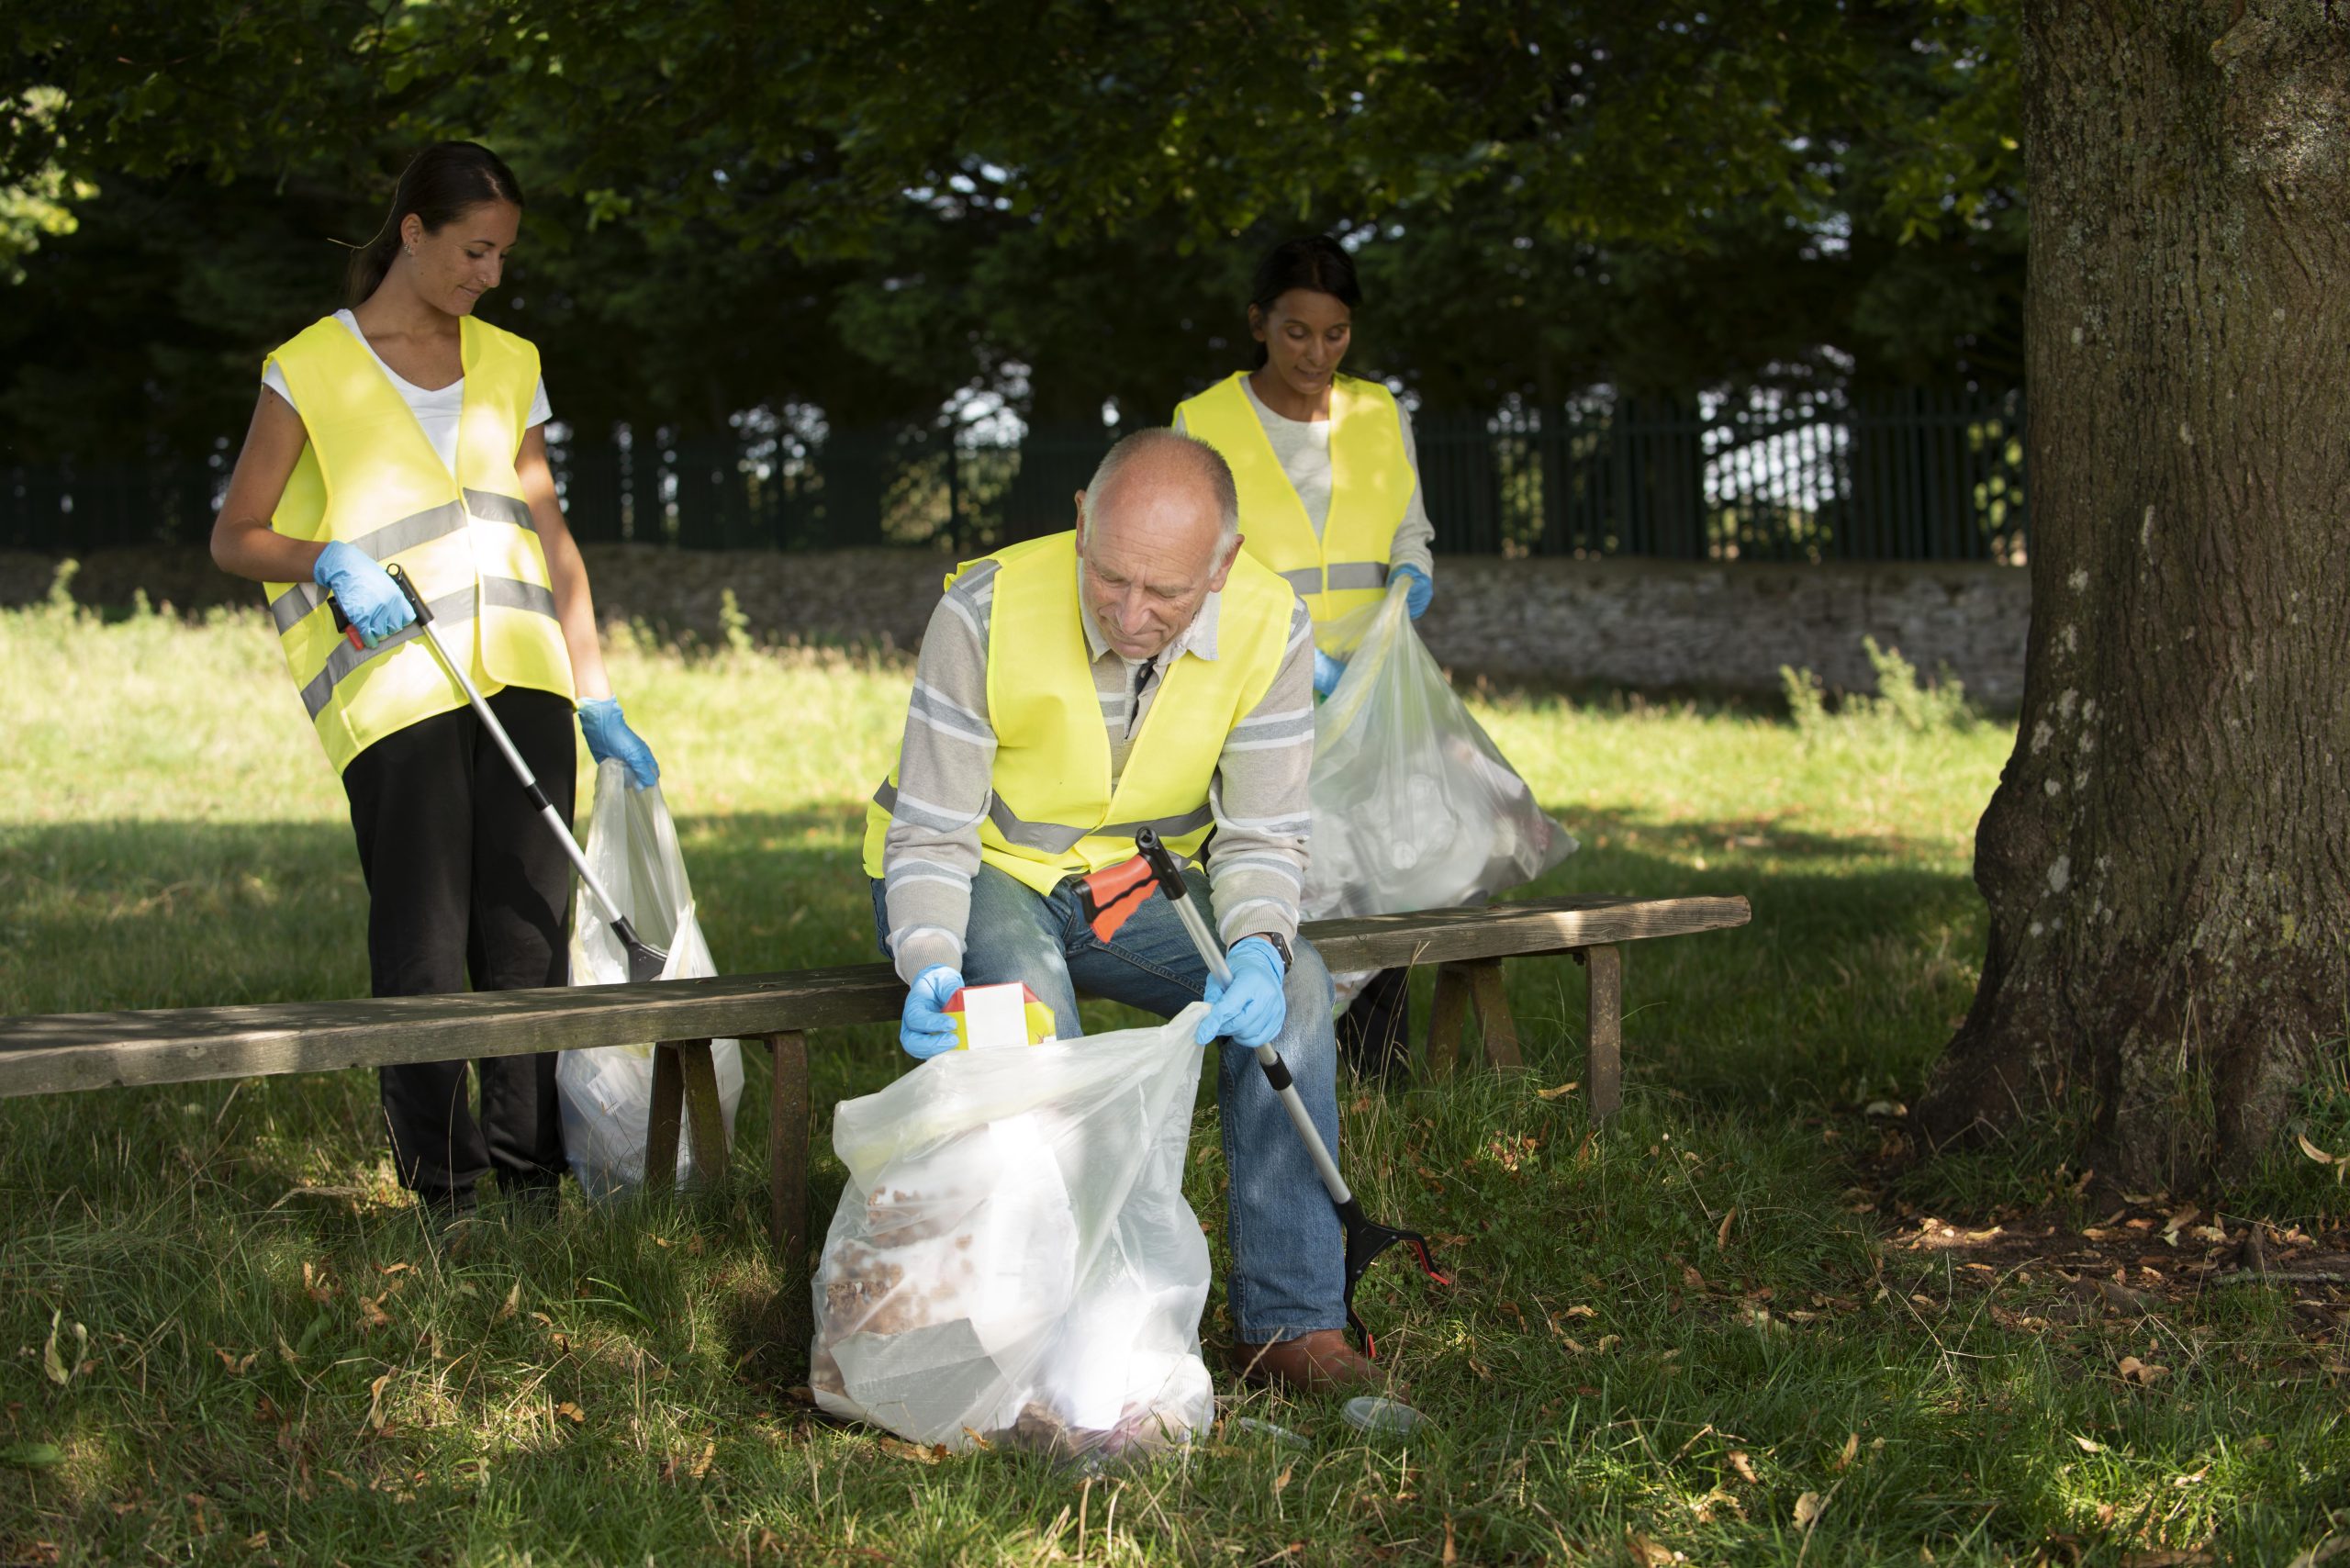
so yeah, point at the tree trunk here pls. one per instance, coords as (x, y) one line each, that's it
(2167, 857)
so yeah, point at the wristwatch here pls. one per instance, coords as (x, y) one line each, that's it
(1279, 945)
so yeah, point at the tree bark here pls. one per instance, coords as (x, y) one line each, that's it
(2167, 857)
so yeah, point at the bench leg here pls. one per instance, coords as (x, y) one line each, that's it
(788, 1185)
(685, 1090)
(1494, 1015)
(705, 1114)
(661, 1124)
(1447, 1017)
(1604, 1029)
(788, 1151)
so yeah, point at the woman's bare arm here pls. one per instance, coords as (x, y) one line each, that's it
(242, 541)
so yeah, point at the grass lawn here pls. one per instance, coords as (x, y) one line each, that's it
(1718, 1331)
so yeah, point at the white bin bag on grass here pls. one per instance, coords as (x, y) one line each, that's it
(607, 1093)
(1013, 1259)
(1413, 805)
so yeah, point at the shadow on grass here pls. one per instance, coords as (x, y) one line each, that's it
(1844, 985)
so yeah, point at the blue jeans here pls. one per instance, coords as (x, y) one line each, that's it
(1288, 1251)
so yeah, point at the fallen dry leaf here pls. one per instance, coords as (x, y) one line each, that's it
(1580, 1312)
(1850, 1452)
(1647, 1552)
(2088, 1445)
(1721, 1236)
(1744, 1466)
(1563, 1091)
(1807, 1509)
(2135, 1371)
(1281, 1481)
(2313, 1150)
(375, 1400)
(572, 1413)
(900, 1448)
(1452, 1554)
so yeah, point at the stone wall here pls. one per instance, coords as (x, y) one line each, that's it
(1636, 623)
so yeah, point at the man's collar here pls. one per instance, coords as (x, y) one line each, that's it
(1198, 639)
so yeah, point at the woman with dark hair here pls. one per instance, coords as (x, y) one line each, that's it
(405, 429)
(1329, 498)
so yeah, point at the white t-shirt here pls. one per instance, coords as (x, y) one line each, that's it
(1303, 449)
(438, 411)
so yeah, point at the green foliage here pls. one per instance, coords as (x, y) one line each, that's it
(871, 207)
(1902, 704)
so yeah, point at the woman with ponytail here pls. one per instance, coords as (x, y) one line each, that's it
(1329, 486)
(402, 429)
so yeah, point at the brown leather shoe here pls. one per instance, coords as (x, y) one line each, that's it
(1318, 1362)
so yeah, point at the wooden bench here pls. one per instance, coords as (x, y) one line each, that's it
(94, 1050)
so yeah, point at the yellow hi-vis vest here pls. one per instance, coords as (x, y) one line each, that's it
(1053, 813)
(370, 478)
(1370, 484)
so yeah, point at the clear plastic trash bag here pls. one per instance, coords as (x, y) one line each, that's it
(607, 1093)
(1013, 1259)
(1413, 806)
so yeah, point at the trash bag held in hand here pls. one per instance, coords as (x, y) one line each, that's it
(606, 1092)
(1413, 805)
(1013, 1259)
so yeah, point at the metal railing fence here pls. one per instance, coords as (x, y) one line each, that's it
(1923, 476)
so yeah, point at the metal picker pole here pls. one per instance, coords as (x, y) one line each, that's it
(1171, 882)
(645, 961)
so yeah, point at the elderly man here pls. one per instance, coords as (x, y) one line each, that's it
(1070, 690)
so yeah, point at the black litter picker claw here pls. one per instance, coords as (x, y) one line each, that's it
(1365, 1237)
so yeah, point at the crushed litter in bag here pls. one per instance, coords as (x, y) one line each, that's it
(1413, 806)
(1013, 1260)
(607, 1093)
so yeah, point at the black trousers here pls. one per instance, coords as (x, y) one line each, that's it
(1374, 1032)
(465, 881)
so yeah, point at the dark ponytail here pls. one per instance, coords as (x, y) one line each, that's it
(1315, 262)
(443, 181)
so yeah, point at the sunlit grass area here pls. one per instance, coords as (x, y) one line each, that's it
(1694, 1332)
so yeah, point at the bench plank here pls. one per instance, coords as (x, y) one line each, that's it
(94, 1050)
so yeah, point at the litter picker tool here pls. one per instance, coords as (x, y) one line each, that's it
(1365, 1237)
(645, 961)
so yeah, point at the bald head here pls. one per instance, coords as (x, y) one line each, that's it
(1157, 532)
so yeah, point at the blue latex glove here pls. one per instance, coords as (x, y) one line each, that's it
(609, 735)
(1416, 597)
(1327, 672)
(926, 1030)
(1252, 1009)
(370, 601)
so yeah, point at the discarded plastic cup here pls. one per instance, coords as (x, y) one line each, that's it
(1381, 1418)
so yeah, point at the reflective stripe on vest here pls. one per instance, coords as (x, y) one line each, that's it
(1053, 812)
(1370, 488)
(369, 477)
(1054, 839)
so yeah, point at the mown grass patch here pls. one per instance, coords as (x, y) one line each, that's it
(1696, 1332)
